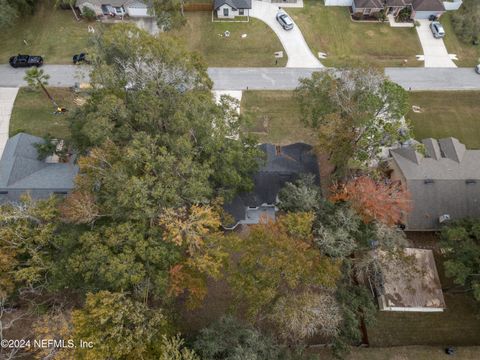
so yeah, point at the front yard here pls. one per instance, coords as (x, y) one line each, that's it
(202, 35)
(275, 117)
(33, 113)
(468, 55)
(450, 113)
(54, 34)
(347, 43)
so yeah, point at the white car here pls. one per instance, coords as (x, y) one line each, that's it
(437, 30)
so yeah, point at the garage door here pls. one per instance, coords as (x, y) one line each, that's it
(137, 11)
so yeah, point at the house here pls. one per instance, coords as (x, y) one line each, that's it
(21, 171)
(229, 9)
(443, 181)
(414, 288)
(282, 164)
(132, 8)
(420, 9)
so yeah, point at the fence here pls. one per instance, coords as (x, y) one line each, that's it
(198, 7)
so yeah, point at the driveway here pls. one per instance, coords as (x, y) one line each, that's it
(434, 50)
(7, 98)
(299, 54)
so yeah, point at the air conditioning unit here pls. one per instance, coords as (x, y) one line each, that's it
(444, 218)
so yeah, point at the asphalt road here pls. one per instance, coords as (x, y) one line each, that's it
(440, 79)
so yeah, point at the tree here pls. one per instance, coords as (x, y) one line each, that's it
(466, 22)
(173, 349)
(118, 327)
(28, 244)
(275, 259)
(356, 112)
(170, 14)
(36, 78)
(386, 202)
(79, 208)
(460, 242)
(302, 195)
(163, 142)
(229, 339)
(8, 14)
(300, 316)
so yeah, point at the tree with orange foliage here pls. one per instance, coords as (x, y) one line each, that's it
(79, 208)
(385, 202)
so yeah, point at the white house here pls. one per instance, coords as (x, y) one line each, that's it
(132, 8)
(229, 9)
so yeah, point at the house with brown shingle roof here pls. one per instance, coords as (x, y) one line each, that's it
(421, 9)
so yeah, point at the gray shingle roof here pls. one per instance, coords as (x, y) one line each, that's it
(444, 181)
(428, 5)
(20, 170)
(234, 4)
(282, 164)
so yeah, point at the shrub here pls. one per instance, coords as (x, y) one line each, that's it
(88, 13)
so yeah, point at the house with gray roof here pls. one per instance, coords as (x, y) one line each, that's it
(282, 164)
(421, 9)
(230, 9)
(443, 181)
(21, 171)
(121, 8)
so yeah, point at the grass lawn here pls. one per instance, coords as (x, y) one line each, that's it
(204, 36)
(468, 55)
(275, 117)
(347, 43)
(455, 113)
(33, 113)
(54, 34)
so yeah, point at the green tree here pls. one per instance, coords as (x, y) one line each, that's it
(36, 78)
(118, 327)
(460, 242)
(355, 111)
(275, 259)
(302, 195)
(466, 21)
(174, 349)
(169, 14)
(229, 339)
(8, 15)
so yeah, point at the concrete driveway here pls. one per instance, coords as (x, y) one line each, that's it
(299, 54)
(7, 99)
(434, 50)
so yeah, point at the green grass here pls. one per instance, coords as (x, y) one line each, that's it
(54, 34)
(455, 113)
(202, 35)
(347, 43)
(33, 113)
(468, 55)
(275, 117)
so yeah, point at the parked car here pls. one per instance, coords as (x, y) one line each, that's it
(80, 58)
(25, 61)
(477, 69)
(437, 30)
(108, 10)
(285, 21)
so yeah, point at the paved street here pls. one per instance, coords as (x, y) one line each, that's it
(435, 78)
(60, 75)
(270, 78)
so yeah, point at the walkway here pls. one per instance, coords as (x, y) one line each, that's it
(434, 50)
(299, 54)
(7, 98)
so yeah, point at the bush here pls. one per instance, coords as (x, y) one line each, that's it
(405, 15)
(466, 22)
(88, 13)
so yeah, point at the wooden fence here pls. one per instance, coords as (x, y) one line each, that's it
(198, 7)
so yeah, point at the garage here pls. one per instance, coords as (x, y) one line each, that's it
(137, 9)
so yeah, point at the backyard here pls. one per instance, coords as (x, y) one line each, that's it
(53, 34)
(346, 43)
(468, 54)
(33, 113)
(443, 114)
(202, 35)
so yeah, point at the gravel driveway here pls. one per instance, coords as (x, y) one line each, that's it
(299, 54)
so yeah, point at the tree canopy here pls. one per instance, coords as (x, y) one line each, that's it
(466, 21)
(355, 111)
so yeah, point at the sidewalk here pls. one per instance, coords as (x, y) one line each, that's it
(7, 99)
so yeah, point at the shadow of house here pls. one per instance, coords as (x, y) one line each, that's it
(282, 164)
(21, 171)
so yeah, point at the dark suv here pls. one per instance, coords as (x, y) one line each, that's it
(25, 61)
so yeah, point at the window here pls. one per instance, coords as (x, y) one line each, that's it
(3, 192)
(225, 12)
(241, 12)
